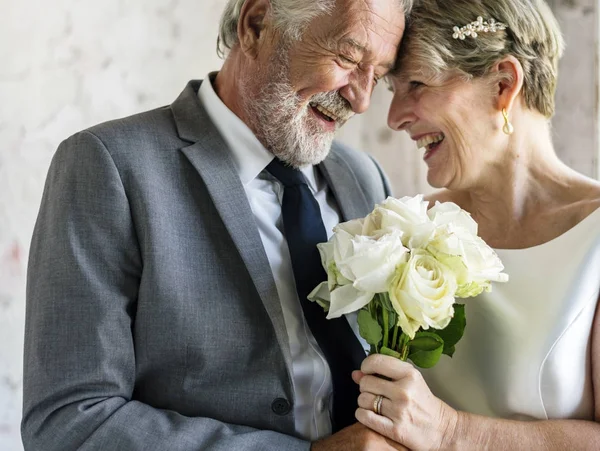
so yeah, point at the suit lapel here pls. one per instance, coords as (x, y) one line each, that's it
(345, 187)
(210, 156)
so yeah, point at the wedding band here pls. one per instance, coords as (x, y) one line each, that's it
(377, 404)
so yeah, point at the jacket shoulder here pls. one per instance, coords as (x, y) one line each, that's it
(142, 129)
(365, 167)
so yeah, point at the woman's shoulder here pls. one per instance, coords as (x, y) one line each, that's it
(588, 199)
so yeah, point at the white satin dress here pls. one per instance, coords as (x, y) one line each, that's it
(526, 349)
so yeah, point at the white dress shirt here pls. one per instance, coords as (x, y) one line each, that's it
(310, 371)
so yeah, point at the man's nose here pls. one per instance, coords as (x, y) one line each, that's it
(359, 89)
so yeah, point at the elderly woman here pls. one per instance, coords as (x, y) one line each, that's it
(475, 88)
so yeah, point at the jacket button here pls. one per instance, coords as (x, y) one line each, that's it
(281, 406)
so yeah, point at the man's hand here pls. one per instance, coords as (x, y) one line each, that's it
(356, 438)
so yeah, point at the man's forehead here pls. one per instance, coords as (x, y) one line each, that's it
(384, 17)
(363, 28)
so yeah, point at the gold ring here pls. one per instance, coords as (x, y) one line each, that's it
(377, 404)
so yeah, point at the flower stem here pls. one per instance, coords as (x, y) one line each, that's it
(395, 337)
(404, 348)
(386, 327)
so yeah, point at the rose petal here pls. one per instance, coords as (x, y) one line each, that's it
(347, 299)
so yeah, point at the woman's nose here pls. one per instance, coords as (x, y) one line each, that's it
(401, 114)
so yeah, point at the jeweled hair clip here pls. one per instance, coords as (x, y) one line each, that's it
(479, 26)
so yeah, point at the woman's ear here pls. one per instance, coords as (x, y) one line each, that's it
(254, 17)
(509, 82)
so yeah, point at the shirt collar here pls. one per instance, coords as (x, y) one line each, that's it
(249, 155)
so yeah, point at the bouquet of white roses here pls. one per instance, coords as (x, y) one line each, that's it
(402, 267)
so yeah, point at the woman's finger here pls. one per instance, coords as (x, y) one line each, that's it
(387, 366)
(368, 401)
(357, 375)
(378, 386)
(379, 423)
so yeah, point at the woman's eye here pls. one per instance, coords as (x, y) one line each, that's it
(415, 84)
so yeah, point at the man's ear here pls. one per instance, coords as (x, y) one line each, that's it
(509, 82)
(254, 16)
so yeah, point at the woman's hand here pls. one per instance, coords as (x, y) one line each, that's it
(410, 413)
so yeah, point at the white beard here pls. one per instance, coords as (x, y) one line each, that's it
(283, 122)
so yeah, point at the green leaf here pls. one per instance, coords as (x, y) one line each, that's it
(369, 328)
(393, 319)
(425, 349)
(386, 304)
(384, 299)
(390, 352)
(454, 331)
(372, 309)
(425, 341)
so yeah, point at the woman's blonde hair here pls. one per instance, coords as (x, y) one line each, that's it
(532, 36)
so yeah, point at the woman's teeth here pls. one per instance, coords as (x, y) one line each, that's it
(429, 140)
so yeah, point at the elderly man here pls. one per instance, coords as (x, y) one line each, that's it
(173, 252)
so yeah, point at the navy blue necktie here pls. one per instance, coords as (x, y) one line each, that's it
(304, 229)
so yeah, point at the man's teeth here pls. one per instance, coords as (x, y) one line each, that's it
(430, 139)
(325, 112)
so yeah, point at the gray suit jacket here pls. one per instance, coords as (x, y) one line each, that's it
(153, 321)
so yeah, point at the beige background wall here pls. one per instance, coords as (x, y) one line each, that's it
(66, 64)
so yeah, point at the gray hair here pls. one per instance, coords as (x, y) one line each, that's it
(289, 16)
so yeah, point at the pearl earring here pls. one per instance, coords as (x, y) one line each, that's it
(508, 128)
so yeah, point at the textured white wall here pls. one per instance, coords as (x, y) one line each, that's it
(576, 125)
(66, 65)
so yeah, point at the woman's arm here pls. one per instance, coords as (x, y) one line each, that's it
(474, 431)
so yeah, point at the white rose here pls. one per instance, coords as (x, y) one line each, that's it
(409, 215)
(456, 236)
(449, 213)
(353, 227)
(372, 263)
(321, 294)
(347, 299)
(412, 209)
(483, 266)
(369, 263)
(422, 293)
(334, 277)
